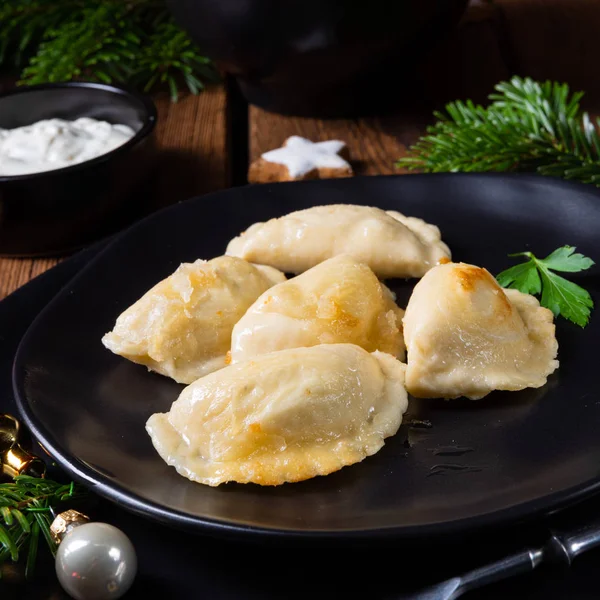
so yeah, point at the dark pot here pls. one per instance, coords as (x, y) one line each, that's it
(321, 58)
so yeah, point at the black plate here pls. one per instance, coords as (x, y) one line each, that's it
(532, 451)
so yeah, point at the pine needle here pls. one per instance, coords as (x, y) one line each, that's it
(134, 43)
(528, 126)
(26, 509)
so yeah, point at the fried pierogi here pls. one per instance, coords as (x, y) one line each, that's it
(283, 417)
(338, 301)
(391, 244)
(466, 336)
(182, 327)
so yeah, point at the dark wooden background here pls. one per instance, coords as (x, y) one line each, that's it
(207, 140)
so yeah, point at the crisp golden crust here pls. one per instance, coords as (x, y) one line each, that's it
(182, 326)
(283, 417)
(466, 336)
(469, 276)
(338, 301)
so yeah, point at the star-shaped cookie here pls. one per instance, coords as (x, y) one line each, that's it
(300, 158)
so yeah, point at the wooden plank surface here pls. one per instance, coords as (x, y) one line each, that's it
(374, 143)
(192, 139)
(191, 135)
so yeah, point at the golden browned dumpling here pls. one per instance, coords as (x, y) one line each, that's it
(284, 416)
(391, 244)
(338, 301)
(182, 326)
(466, 336)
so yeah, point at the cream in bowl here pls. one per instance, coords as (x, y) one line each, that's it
(52, 144)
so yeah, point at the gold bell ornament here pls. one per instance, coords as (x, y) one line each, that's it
(14, 459)
(94, 561)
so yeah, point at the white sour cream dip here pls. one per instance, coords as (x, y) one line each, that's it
(56, 143)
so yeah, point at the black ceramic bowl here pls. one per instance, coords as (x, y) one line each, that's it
(57, 211)
(319, 58)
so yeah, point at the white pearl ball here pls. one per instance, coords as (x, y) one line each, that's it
(96, 561)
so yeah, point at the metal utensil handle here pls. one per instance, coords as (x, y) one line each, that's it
(564, 546)
(516, 564)
(561, 548)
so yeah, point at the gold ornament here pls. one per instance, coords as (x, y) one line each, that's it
(14, 460)
(65, 522)
(93, 560)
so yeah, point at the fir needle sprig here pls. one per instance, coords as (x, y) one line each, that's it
(135, 43)
(528, 126)
(26, 506)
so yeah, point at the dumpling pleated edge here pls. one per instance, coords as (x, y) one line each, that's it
(292, 464)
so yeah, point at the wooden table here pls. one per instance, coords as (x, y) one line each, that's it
(208, 140)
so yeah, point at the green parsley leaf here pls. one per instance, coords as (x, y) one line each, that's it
(523, 277)
(561, 296)
(566, 298)
(564, 260)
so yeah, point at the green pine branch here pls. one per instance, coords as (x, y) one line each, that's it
(135, 43)
(528, 126)
(26, 511)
